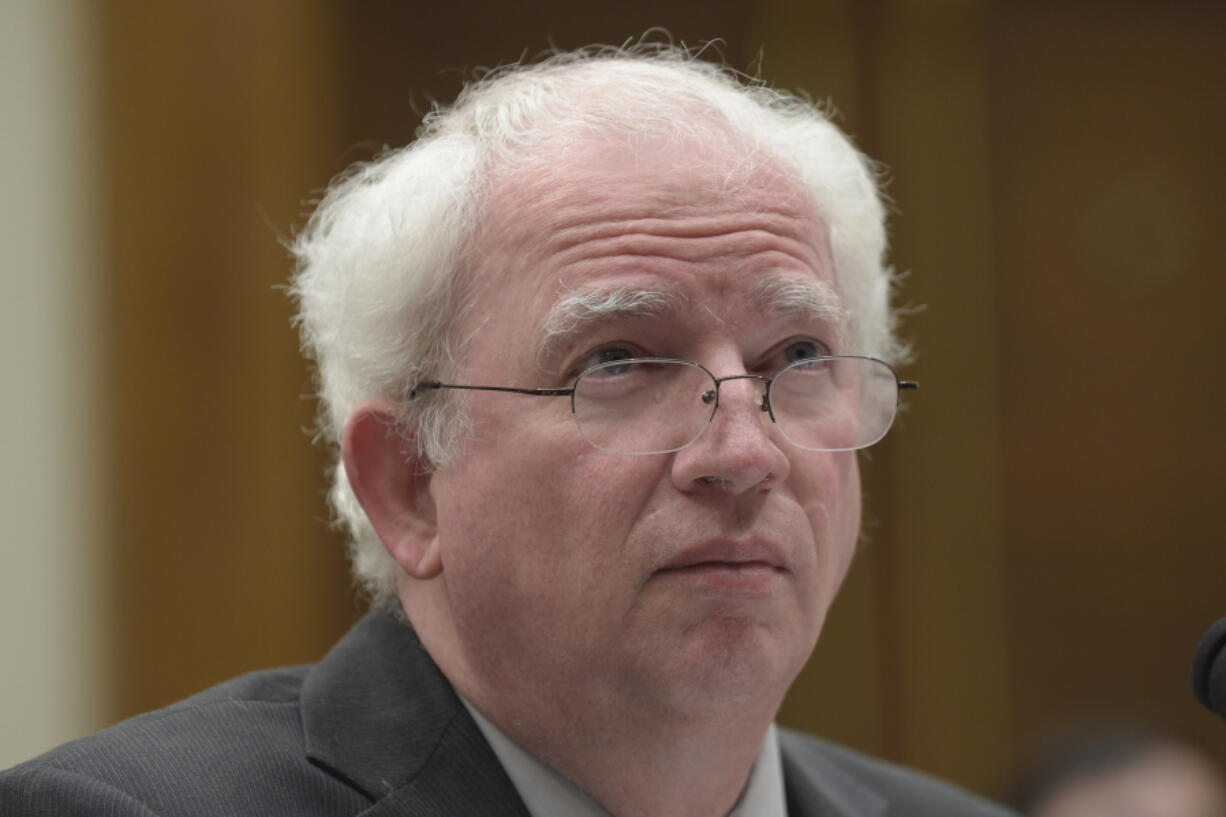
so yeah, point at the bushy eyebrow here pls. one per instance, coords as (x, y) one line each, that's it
(579, 309)
(816, 300)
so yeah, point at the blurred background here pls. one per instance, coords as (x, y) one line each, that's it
(1043, 545)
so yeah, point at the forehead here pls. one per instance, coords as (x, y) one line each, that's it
(698, 221)
(611, 185)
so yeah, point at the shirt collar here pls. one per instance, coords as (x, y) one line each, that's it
(548, 794)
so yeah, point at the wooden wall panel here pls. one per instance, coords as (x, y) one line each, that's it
(218, 121)
(1108, 126)
(396, 57)
(952, 661)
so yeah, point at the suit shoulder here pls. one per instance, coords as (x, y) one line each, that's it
(40, 790)
(256, 704)
(923, 795)
(217, 748)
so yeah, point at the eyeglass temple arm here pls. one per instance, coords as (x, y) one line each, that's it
(418, 387)
(908, 384)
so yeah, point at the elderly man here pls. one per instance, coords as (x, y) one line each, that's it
(598, 350)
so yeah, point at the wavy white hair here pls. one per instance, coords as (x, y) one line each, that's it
(382, 264)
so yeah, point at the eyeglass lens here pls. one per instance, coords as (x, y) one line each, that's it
(650, 406)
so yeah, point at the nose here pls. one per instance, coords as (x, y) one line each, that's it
(738, 451)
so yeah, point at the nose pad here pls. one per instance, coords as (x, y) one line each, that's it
(726, 404)
(763, 399)
(709, 396)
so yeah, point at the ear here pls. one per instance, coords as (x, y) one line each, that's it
(392, 483)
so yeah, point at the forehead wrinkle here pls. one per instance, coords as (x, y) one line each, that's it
(577, 309)
(711, 234)
(733, 244)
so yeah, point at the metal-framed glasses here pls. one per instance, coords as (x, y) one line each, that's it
(656, 405)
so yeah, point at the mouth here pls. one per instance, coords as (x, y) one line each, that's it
(725, 565)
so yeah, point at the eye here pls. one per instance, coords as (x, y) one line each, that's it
(606, 354)
(797, 349)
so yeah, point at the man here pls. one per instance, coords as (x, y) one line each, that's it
(598, 351)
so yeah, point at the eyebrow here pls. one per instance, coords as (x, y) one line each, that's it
(816, 300)
(579, 309)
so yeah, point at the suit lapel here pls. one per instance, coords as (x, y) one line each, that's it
(455, 781)
(378, 714)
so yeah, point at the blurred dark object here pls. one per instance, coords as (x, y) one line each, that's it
(1122, 771)
(1209, 669)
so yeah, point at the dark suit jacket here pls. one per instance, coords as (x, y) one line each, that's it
(374, 730)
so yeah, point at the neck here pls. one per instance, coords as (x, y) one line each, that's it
(647, 772)
(636, 758)
(637, 755)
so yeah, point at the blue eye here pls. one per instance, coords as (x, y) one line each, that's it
(804, 350)
(609, 354)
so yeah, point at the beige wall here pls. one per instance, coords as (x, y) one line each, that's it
(53, 580)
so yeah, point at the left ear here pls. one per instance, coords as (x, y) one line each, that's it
(392, 483)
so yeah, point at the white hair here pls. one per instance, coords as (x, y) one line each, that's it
(383, 265)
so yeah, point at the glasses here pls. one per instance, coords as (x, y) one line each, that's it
(657, 405)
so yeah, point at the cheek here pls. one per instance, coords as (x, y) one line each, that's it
(535, 560)
(543, 518)
(833, 509)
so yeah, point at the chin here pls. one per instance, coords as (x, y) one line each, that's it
(735, 662)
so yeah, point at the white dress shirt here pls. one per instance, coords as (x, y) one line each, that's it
(548, 794)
